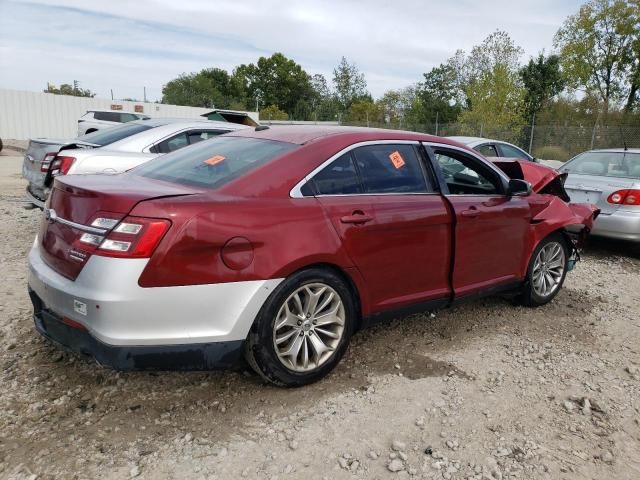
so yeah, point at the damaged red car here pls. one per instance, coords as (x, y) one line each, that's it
(277, 244)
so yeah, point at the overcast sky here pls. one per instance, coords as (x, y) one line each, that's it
(125, 44)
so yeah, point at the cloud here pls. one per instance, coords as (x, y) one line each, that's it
(124, 45)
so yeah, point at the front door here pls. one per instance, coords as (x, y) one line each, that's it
(491, 228)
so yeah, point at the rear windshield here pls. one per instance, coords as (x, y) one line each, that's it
(214, 162)
(113, 134)
(606, 164)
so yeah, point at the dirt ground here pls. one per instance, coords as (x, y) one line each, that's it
(487, 390)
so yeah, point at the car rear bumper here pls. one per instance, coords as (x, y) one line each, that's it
(622, 225)
(156, 357)
(107, 301)
(33, 199)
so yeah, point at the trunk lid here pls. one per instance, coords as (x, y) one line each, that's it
(596, 189)
(77, 200)
(33, 157)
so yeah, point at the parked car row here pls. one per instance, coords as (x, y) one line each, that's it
(277, 244)
(111, 150)
(95, 120)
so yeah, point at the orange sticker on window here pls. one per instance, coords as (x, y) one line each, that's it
(397, 159)
(214, 160)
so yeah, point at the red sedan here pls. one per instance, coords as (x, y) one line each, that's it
(280, 243)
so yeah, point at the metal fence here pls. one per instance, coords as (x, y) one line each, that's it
(549, 142)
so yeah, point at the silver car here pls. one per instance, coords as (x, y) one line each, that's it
(111, 150)
(609, 179)
(494, 148)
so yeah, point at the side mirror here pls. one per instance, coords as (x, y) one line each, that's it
(518, 188)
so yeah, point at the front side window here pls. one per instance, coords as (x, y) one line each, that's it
(488, 150)
(127, 117)
(214, 163)
(513, 152)
(464, 176)
(606, 164)
(387, 168)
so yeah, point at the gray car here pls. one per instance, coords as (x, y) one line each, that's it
(111, 150)
(609, 179)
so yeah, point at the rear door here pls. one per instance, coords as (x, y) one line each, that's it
(491, 229)
(394, 226)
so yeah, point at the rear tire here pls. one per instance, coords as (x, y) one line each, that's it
(303, 329)
(546, 272)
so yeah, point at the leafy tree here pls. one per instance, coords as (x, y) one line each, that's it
(438, 97)
(497, 100)
(542, 80)
(272, 112)
(349, 84)
(211, 87)
(633, 95)
(66, 89)
(365, 110)
(596, 47)
(276, 80)
(397, 104)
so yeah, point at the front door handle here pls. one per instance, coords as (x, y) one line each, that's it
(472, 212)
(357, 217)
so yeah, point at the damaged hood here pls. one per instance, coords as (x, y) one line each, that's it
(538, 175)
(543, 179)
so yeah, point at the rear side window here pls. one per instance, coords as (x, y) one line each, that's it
(199, 135)
(338, 178)
(212, 164)
(487, 150)
(113, 134)
(127, 117)
(107, 116)
(390, 169)
(171, 144)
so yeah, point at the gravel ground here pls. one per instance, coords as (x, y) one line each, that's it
(487, 390)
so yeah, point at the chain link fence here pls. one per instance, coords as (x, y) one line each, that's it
(548, 142)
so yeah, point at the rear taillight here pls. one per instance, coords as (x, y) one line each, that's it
(61, 165)
(46, 161)
(625, 197)
(133, 237)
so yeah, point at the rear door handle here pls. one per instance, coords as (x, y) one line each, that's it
(471, 212)
(356, 217)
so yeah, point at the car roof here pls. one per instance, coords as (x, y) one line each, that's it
(615, 150)
(157, 122)
(473, 141)
(303, 134)
(114, 111)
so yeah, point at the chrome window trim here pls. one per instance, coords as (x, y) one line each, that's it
(296, 192)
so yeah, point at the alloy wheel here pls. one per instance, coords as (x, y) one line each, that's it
(548, 269)
(309, 327)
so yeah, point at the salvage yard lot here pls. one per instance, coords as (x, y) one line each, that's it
(485, 390)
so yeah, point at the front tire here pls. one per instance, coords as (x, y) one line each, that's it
(303, 329)
(546, 272)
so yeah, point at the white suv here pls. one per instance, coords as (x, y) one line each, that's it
(95, 120)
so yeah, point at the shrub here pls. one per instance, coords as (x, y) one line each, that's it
(551, 152)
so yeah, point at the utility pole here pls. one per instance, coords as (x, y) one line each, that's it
(112, 94)
(437, 118)
(144, 89)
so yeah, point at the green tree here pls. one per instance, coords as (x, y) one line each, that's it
(497, 100)
(66, 89)
(438, 97)
(272, 112)
(276, 80)
(349, 84)
(542, 80)
(365, 111)
(596, 47)
(211, 87)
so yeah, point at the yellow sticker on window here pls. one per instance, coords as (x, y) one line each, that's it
(214, 160)
(397, 159)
